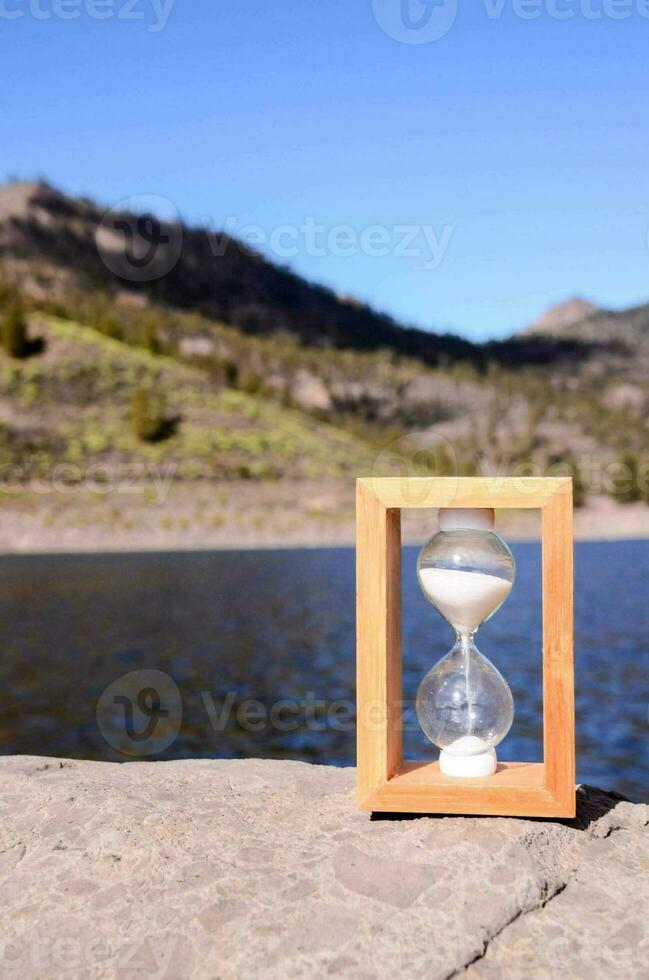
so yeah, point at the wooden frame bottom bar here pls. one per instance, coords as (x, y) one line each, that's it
(515, 789)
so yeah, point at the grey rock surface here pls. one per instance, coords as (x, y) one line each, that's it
(245, 869)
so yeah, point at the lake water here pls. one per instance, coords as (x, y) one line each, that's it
(256, 651)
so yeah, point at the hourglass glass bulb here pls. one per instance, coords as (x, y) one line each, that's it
(464, 704)
(465, 707)
(466, 570)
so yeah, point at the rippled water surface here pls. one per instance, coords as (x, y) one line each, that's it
(239, 632)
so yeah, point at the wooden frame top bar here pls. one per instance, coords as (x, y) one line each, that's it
(449, 491)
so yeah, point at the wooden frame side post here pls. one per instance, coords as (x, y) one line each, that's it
(378, 637)
(558, 658)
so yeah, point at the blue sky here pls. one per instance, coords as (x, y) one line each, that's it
(518, 147)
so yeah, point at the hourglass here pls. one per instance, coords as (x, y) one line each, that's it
(464, 705)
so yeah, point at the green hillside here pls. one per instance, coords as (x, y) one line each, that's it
(72, 407)
(232, 368)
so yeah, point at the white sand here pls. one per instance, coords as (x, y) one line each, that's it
(465, 599)
(467, 745)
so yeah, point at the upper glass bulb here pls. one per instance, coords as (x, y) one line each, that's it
(466, 573)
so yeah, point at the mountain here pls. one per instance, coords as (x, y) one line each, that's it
(76, 241)
(264, 375)
(580, 321)
(618, 341)
(557, 319)
(53, 242)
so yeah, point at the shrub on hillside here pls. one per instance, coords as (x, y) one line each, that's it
(14, 335)
(151, 339)
(14, 330)
(250, 382)
(149, 417)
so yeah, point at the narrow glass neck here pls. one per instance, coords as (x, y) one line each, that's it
(465, 655)
(464, 649)
(465, 640)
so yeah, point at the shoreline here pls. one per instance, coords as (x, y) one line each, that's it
(193, 549)
(243, 516)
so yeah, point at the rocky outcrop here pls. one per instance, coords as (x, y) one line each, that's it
(266, 869)
(309, 392)
(563, 315)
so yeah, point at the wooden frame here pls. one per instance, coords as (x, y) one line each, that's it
(386, 782)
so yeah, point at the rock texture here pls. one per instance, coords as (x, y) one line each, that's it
(240, 869)
(563, 315)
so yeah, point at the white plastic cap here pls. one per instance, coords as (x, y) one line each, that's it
(466, 518)
(468, 766)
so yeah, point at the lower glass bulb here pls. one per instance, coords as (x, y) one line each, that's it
(465, 707)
